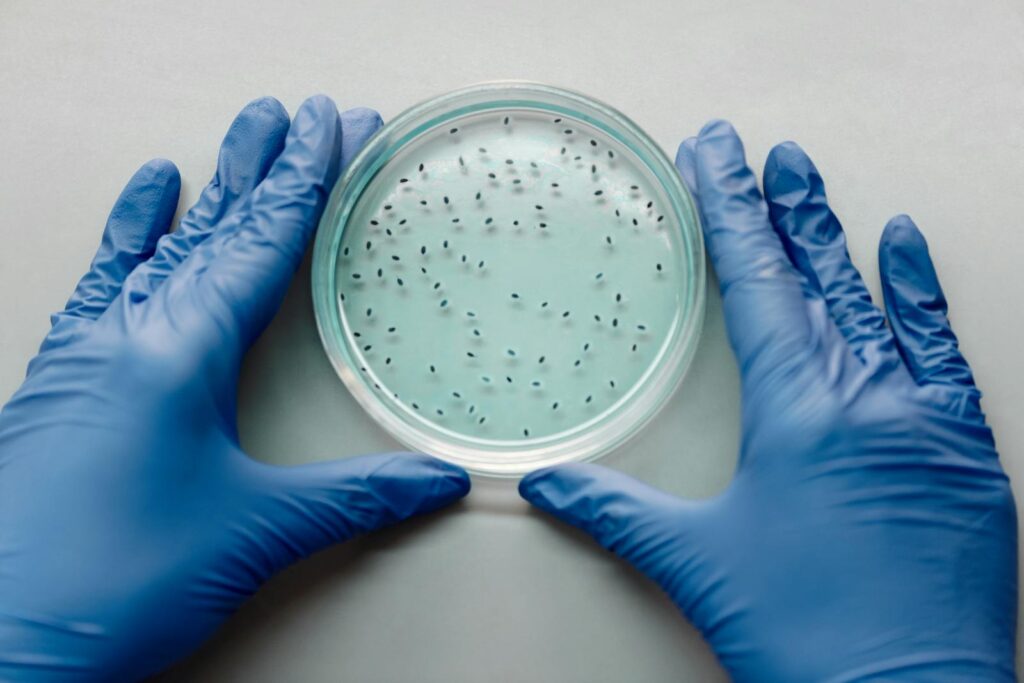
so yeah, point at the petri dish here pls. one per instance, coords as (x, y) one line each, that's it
(510, 276)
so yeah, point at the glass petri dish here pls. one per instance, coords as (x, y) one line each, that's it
(510, 276)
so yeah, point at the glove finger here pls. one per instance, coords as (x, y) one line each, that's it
(917, 309)
(764, 298)
(648, 528)
(252, 143)
(814, 239)
(141, 214)
(310, 507)
(358, 126)
(240, 275)
(686, 163)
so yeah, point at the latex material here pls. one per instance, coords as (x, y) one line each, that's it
(869, 532)
(133, 523)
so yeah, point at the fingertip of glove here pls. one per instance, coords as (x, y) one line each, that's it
(267, 106)
(160, 170)
(788, 155)
(686, 151)
(540, 487)
(720, 149)
(901, 234)
(788, 169)
(901, 229)
(716, 128)
(455, 478)
(358, 126)
(902, 244)
(452, 480)
(318, 106)
(363, 117)
(528, 484)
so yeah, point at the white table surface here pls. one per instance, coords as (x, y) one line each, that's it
(906, 106)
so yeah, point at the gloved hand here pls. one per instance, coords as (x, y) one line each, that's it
(131, 523)
(869, 532)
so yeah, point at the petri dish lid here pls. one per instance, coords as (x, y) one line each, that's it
(510, 276)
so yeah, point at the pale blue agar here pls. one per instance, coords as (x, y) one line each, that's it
(510, 276)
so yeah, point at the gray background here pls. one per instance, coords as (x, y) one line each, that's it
(905, 106)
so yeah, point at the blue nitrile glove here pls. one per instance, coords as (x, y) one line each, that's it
(131, 523)
(869, 532)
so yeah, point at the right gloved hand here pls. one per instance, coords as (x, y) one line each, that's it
(870, 532)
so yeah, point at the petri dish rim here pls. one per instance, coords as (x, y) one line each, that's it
(587, 440)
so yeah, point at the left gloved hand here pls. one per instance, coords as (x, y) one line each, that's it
(131, 522)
